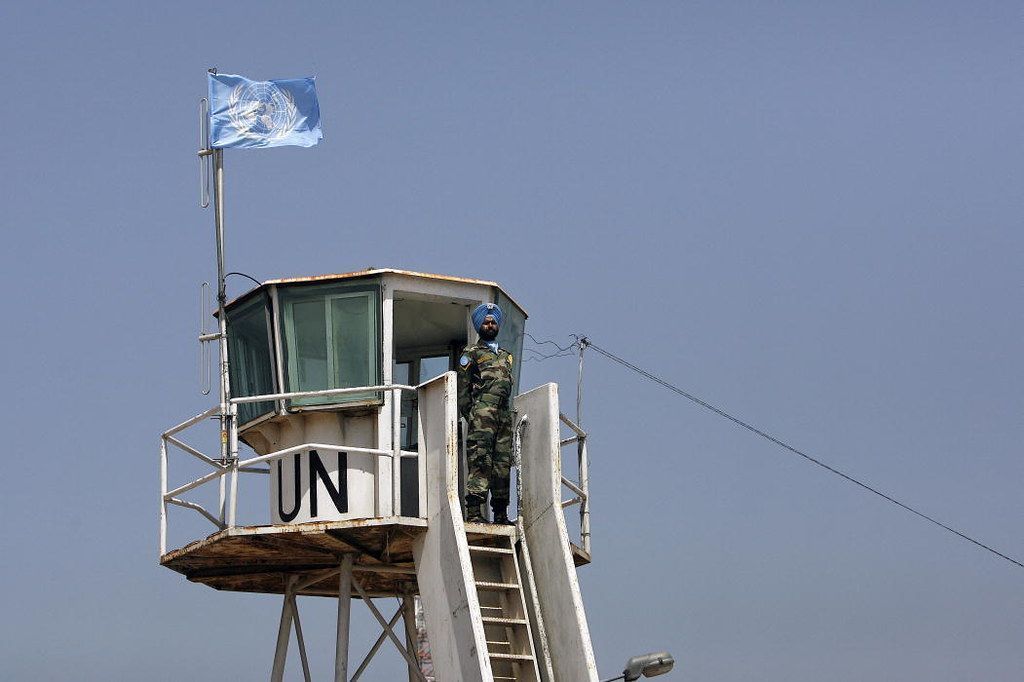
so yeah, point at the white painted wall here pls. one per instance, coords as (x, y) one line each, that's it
(558, 590)
(330, 428)
(443, 568)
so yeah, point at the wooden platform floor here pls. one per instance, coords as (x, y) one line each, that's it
(261, 558)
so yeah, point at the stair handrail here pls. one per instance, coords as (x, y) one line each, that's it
(580, 488)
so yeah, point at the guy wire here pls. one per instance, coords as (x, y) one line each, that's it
(587, 343)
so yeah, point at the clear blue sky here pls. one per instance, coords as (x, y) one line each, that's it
(809, 213)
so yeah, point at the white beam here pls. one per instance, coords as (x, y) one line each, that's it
(344, 611)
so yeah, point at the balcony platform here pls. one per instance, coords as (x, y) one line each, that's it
(260, 558)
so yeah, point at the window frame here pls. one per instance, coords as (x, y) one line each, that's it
(326, 294)
(510, 309)
(240, 310)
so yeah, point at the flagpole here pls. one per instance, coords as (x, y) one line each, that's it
(306, 135)
(228, 442)
(222, 299)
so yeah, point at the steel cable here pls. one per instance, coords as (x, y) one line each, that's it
(767, 436)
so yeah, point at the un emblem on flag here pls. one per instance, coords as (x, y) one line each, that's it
(262, 110)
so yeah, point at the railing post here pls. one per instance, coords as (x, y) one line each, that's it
(222, 498)
(233, 454)
(396, 452)
(163, 493)
(233, 499)
(584, 467)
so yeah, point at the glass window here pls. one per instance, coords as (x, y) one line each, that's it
(401, 375)
(431, 367)
(331, 339)
(250, 361)
(350, 327)
(308, 364)
(510, 336)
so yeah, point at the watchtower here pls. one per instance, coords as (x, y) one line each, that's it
(342, 387)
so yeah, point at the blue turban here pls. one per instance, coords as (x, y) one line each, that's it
(482, 311)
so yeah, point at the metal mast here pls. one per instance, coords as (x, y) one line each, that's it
(222, 299)
(228, 444)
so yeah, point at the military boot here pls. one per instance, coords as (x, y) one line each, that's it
(500, 515)
(473, 513)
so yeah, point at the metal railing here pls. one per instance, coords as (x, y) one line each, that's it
(225, 471)
(581, 488)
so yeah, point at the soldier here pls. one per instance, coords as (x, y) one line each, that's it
(485, 400)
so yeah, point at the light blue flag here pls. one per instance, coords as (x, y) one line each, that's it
(245, 113)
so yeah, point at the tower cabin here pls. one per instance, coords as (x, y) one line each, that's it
(343, 390)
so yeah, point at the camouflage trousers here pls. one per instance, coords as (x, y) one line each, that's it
(489, 453)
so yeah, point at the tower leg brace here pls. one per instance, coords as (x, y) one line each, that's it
(289, 615)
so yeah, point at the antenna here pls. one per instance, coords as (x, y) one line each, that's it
(204, 152)
(205, 366)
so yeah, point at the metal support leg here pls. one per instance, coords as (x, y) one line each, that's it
(283, 633)
(409, 613)
(344, 611)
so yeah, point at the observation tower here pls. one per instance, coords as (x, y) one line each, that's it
(338, 474)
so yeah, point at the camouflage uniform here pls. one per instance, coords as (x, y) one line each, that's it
(485, 400)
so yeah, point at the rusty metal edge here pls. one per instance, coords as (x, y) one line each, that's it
(370, 273)
(314, 527)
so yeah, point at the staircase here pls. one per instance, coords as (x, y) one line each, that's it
(503, 609)
(501, 603)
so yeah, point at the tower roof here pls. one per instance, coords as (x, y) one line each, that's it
(370, 272)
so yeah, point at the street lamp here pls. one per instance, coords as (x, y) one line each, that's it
(649, 665)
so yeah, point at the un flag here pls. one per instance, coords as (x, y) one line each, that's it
(245, 113)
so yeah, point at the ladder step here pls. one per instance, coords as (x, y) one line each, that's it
(512, 657)
(486, 585)
(490, 550)
(492, 620)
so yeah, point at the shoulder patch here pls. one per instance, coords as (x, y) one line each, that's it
(509, 358)
(464, 360)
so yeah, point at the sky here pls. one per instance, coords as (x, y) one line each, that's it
(805, 213)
